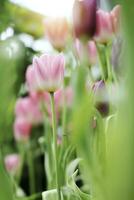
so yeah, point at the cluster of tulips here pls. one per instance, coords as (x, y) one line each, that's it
(80, 71)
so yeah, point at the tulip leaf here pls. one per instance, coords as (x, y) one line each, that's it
(6, 192)
(72, 167)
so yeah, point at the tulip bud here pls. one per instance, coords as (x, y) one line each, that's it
(104, 28)
(107, 25)
(101, 98)
(22, 130)
(56, 31)
(47, 73)
(28, 108)
(92, 52)
(12, 163)
(86, 52)
(84, 18)
(59, 96)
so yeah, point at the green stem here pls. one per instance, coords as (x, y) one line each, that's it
(55, 145)
(101, 63)
(90, 74)
(31, 170)
(110, 70)
(22, 155)
(108, 63)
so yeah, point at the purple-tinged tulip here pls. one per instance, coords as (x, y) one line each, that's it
(47, 73)
(12, 163)
(101, 98)
(22, 130)
(84, 18)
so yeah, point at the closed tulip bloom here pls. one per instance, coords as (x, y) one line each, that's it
(32, 80)
(22, 130)
(57, 30)
(84, 18)
(28, 108)
(86, 52)
(92, 52)
(104, 28)
(107, 25)
(101, 97)
(12, 163)
(48, 71)
(59, 100)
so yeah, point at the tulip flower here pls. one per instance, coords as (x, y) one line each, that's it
(12, 163)
(86, 51)
(57, 30)
(47, 73)
(84, 18)
(101, 97)
(22, 130)
(58, 100)
(107, 25)
(28, 108)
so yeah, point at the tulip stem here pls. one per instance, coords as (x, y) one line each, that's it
(103, 74)
(31, 170)
(55, 145)
(110, 70)
(22, 156)
(109, 67)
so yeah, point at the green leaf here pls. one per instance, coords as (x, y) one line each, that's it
(50, 195)
(6, 192)
(72, 167)
(76, 190)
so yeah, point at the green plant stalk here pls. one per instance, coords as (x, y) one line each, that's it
(47, 142)
(64, 111)
(55, 145)
(101, 64)
(31, 170)
(22, 153)
(110, 70)
(90, 74)
(109, 67)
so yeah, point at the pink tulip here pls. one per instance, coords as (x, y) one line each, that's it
(86, 52)
(22, 129)
(92, 52)
(107, 25)
(69, 95)
(28, 108)
(59, 101)
(56, 30)
(32, 80)
(47, 73)
(12, 163)
(104, 29)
